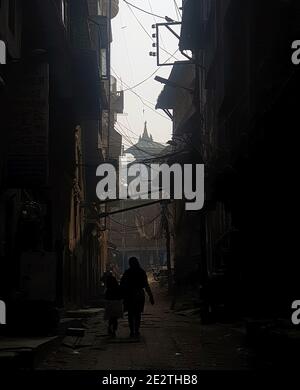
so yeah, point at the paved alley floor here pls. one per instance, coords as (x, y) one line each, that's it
(168, 341)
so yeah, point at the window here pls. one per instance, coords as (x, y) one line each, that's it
(104, 67)
(99, 7)
(12, 15)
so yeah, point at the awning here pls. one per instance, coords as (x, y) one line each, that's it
(183, 75)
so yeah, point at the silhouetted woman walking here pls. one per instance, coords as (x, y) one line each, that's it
(133, 284)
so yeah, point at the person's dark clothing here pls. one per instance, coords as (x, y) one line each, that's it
(113, 290)
(133, 283)
(113, 309)
(114, 294)
(134, 321)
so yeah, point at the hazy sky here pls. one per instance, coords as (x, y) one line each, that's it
(132, 63)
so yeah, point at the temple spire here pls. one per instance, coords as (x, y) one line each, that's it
(145, 146)
(145, 134)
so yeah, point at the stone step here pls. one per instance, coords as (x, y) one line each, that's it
(20, 352)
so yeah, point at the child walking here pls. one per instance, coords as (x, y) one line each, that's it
(113, 305)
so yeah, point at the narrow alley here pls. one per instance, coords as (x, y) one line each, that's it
(169, 340)
(145, 190)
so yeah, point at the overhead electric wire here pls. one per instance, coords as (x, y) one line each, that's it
(140, 24)
(125, 127)
(148, 34)
(159, 157)
(129, 129)
(130, 88)
(127, 232)
(150, 108)
(139, 149)
(132, 144)
(152, 74)
(143, 151)
(141, 82)
(156, 156)
(177, 10)
(143, 10)
(139, 206)
(141, 99)
(135, 227)
(153, 157)
(155, 21)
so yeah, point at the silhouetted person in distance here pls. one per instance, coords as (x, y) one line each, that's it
(133, 284)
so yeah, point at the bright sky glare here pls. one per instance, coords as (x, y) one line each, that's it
(132, 64)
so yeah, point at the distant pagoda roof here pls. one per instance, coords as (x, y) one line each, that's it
(146, 147)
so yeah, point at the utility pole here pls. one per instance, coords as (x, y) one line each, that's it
(166, 226)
